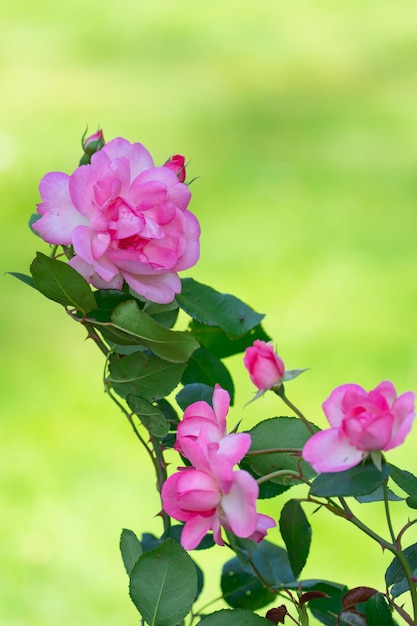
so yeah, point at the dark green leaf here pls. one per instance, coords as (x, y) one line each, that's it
(412, 502)
(164, 314)
(378, 612)
(130, 548)
(395, 573)
(107, 300)
(279, 432)
(28, 280)
(194, 393)
(296, 533)
(350, 617)
(171, 345)
(324, 609)
(378, 496)
(216, 340)
(210, 307)
(240, 585)
(204, 367)
(236, 617)
(268, 489)
(163, 584)
(406, 480)
(144, 376)
(150, 415)
(358, 481)
(59, 282)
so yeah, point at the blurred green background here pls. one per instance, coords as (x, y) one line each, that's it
(300, 119)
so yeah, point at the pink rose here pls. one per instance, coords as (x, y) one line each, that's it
(265, 367)
(177, 164)
(211, 493)
(126, 219)
(361, 422)
(209, 499)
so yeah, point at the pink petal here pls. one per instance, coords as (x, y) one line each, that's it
(191, 252)
(159, 288)
(340, 400)
(387, 390)
(327, 452)
(60, 217)
(239, 505)
(138, 156)
(195, 530)
(221, 404)
(180, 195)
(404, 414)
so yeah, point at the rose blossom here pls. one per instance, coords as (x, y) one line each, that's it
(361, 423)
(266, 369)
(214, 497)
(211, 494)
(126, 219)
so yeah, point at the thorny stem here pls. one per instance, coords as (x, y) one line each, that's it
(387, 512)
(281, 393)
(283, 472)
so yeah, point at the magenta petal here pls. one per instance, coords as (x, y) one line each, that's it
(327, 452)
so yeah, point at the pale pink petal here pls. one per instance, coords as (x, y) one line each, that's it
(191, 252)
(138, 156)
(387, 390)
(195, 530)
(327, 452)
(340, 400)
(169, 495)
(264, 523)
(235, 446)
(60, 217)
(221, 404)
(239, 505)
(159, 288)
(404, 414)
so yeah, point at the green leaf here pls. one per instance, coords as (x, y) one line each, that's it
(412, 502)
(145, 376)
(59, 282)
(236, 617)
(323, 609)
(194, 392)
(28, 280)
(242, 588)
(163, 584)
(357, 481)
(130, 548)
(395, 573)
(279, 432)
(378, 612)
(210, 307)
(164, 314)
(216, 340)
(150, 415)
(296, 533)
(204, 367)
(378, 496)
(176, 346)
(106, 301)
(406, 480)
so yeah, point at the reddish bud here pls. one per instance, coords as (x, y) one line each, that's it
(177, 164)
(312, 595)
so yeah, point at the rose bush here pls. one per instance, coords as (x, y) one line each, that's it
(125, 219)
(361, 422)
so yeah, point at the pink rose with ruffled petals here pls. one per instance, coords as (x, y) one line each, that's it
(361, 423)
(266, 369)
(126, 219)
(211, 493)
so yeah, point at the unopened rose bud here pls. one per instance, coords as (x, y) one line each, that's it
(177, 164)
(266, 369)
(92, 144)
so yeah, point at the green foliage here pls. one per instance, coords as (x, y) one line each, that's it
(237, 617)
(163, 584)
(279, 432)
(395, 574)
(130, 548)
(216, 340)
(208, 306)
(150, 415)
(378, 612)
(358, 481)
(296, 532)
(205, 368)
(58, 281)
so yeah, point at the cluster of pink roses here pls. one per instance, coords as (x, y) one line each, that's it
(210, 493)
(125, 218)
(362, 423)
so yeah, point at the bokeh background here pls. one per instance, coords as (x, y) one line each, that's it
(300, 120)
